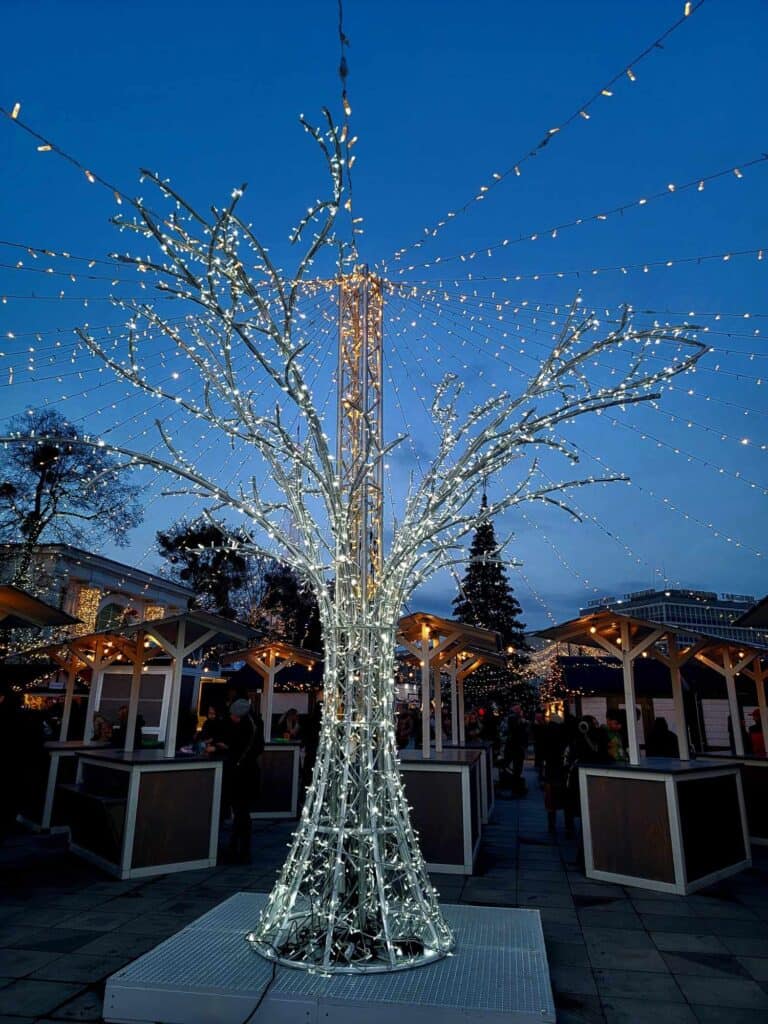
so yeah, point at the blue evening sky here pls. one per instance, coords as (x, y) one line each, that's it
(443, 94)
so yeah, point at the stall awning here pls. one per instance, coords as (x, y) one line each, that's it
(410, 630)
(286, 653)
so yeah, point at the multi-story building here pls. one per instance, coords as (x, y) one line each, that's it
(97, 590)
(701, 611)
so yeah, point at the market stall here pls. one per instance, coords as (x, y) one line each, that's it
(445, 647)
(125, 808)
(730, 659)
(650, 825)
(445, 794)
(648, 822)
(140, 813)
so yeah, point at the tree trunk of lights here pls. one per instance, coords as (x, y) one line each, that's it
(354, 893)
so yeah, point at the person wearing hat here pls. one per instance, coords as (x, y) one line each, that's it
(245, 743)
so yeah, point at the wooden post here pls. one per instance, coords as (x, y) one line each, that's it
(67, 712)
(453, 669)
(133, 700)
(425, 693)
(733, 704)
(438, 684)
(269, 690)
(462, 726)
(629, 694)
(177, 667)
(96, 671)
(677, 697)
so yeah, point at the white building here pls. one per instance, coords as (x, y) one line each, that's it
(95, 589)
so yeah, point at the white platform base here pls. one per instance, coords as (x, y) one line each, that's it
(208, 974)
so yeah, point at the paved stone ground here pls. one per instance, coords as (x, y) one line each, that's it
(617, 955)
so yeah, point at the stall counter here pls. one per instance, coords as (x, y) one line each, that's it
(663, 824)
(140, 813)
(445, 794)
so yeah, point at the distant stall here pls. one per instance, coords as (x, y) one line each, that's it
(456, 650)
(451, 771)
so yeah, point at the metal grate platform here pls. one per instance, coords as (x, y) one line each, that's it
(208, 974)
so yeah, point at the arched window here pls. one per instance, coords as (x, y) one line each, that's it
(114, 612)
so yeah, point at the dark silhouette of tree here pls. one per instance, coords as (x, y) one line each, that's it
(486, 599)
(209, 557)
(55, 488)
(289, 610)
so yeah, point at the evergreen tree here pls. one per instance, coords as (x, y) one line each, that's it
(486, 599)
(289, 611)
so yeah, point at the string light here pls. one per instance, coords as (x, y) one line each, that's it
(497, 177)
(553, 231)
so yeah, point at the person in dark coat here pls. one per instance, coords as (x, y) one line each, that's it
(119, 730)
(9, 752)
(539, 736)
(213, 732)
(553, 741)
(661, 741)
(588, 745)
(244, 746)
(515, 749)
(311, 741)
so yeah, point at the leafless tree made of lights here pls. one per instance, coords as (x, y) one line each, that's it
(353, 894)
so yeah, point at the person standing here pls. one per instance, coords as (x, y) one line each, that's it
(9, 763)
(119, 734)
(540, 736)
(553, 741)
(661, 741)
(615, 724)
(515, 749)
(245, 744)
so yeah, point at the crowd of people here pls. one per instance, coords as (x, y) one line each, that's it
(559, 744)
(234, 733)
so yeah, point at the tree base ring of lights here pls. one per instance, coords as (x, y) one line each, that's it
(411, 952)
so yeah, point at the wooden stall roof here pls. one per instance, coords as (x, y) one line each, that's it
(287, 652)
(409, 628)
(199, 626)
(20, 609)
(466, 654)
(606, 623)
(196, 624)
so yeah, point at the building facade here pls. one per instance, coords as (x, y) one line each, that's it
(97, 590)
(701, 611)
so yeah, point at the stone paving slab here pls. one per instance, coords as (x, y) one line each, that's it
(618, 954)
(35, 998)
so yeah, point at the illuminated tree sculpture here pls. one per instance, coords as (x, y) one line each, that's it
(353, 894)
